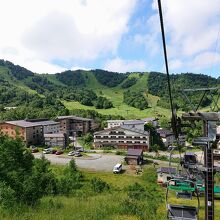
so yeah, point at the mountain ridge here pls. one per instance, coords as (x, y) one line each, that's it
(83, 89)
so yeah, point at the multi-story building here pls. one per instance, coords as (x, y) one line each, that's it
(56, 140)
(167, 136)
(29, 132)
(139, 124)
(49, 127)
(72, 124)
(122, 137)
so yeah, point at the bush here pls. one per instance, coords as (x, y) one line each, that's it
(136, 192)
(99, 185)
(7, 196)
(135, 99)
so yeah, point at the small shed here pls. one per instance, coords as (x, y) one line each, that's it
(134, 156)
(164, 174)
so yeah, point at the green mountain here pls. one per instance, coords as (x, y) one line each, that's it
(130, 95)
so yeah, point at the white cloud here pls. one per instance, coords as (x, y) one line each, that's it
(44, 30)
(205, 60)
(123, 66)
(191, 27)
(175, 64)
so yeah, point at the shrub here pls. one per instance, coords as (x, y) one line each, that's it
(7, 196)
(99, 185)
(136, 192)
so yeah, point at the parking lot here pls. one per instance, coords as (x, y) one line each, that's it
(96, 162)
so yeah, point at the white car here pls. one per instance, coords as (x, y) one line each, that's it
(117, 168)
(47, 151)
(71, 153)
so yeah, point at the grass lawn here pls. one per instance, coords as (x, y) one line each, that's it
(87, 205)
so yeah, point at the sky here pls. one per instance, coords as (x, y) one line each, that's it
(50, 36)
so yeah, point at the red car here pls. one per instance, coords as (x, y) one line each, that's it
(59, 152)
(53, 151)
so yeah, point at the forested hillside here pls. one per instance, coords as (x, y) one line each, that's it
(130, 95)
(157, 85)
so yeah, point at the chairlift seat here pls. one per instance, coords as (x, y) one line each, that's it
(184, 195)
(179, 212)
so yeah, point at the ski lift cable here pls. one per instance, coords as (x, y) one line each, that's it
(167, 70)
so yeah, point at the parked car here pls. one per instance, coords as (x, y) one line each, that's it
(34, 150)
(71, 153)
(59, 152)
(47, 151)
(117, 168)
(77, 154)
(79, 149)
(53, 151)
(32, 147)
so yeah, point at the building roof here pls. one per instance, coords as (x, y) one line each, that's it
(55, 135)
(164, 133)
(28, 123)
(133, 122)
(124, 127)
(150, 119)
(135, 130)
(22, 123)
(166, 170)
(74, 117)
(127, 122)
(45, 123)
(134, 152)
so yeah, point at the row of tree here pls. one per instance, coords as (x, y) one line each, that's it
(135, 99)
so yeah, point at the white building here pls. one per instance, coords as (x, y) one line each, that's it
(122, 137)
(49, 126)
(167, 136)
(138, 124)
(56, 140)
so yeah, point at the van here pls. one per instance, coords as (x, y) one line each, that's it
(117, 168)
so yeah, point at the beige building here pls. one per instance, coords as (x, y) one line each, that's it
(29, 132)
(72, 124)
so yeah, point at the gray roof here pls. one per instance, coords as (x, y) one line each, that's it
(22, 123)
(125, 127)
(73, 117)
(133, 122)
(149, 119)
(134, 152)
(45, 123)
(55, 135)
(166, 170)
(135, 130)
(127, 122)
(26, 124)
(164, 132)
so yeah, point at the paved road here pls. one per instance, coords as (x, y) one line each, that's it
(99, 162)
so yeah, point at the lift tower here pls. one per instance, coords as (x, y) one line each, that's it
(207, 141)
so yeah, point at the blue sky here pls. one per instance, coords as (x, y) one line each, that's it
(52, 36)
